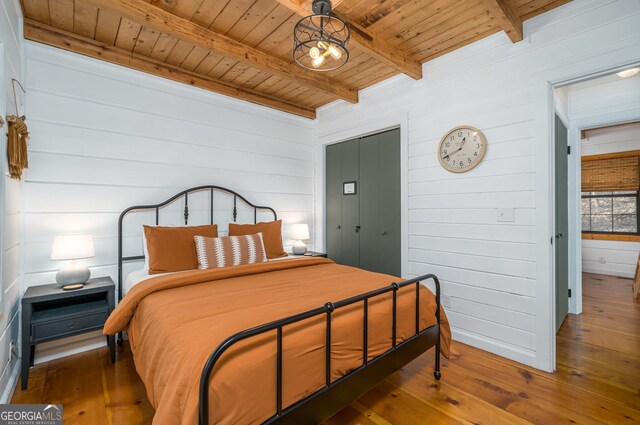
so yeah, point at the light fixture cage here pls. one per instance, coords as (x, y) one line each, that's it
(321, 40)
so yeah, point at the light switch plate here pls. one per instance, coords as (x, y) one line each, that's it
(506, 215)
(349, 188)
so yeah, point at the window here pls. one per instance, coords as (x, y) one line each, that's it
(610, 212)
(610, 196)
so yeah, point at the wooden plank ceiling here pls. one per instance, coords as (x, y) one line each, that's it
(243, 48)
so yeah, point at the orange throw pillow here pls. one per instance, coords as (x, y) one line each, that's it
(173, 249)
(228, 251)
(271, 235)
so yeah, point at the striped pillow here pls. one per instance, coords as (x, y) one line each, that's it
(228, 251)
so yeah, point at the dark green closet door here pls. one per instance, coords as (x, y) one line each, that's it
(379, 165)
(363, 229)
(562, 224)
(333, 178)
(343, 211)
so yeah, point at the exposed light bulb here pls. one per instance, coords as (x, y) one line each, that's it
(320, 39)
(335, 52)
(317, 62)
(628, 72)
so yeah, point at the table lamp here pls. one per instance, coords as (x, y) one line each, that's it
(73, 247)
(299, 232)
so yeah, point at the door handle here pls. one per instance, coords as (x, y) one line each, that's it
(384, 233)
(339, 227)
(559, 235)
(357, 229)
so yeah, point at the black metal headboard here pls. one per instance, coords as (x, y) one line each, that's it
(185, 194)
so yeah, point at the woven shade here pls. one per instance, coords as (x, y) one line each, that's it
(610, 175)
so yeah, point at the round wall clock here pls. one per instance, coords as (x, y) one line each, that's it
(462, 149)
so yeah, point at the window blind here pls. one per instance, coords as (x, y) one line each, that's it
(611, 174)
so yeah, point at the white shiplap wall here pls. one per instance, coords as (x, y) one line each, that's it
(606, 99)
(620, 258)
(105, 138)
(498, 275)
(12, 50)
(614, 139)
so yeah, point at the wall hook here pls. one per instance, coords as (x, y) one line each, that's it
(15, 98)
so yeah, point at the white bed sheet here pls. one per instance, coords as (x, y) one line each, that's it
(136, 277)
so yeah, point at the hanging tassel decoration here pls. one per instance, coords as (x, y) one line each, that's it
(18, 136)
(17, 146)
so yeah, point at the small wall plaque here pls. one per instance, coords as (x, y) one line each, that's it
(349, 188)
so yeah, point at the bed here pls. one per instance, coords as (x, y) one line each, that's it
(288, 342)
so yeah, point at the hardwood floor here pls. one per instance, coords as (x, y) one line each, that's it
(597, 379)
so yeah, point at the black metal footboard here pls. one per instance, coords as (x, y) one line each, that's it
(335, 395)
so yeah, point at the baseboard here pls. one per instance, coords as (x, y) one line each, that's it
(607, 271)
(494, 346)
(11, 360)
(11, 384)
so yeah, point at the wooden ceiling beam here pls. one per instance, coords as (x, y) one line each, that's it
(46, 34)
(154, 17)
(307, 3)
(366, 41)
(507, 17)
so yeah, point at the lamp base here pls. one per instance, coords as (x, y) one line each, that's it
(299, 248)
(73, 274)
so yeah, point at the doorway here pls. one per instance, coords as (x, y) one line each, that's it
(601, 114)
(363, 202)
(601, 236)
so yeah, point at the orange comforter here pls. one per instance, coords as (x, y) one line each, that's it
(174, 323)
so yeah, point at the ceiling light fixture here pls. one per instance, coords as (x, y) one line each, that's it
(321, 39)
(628, 72)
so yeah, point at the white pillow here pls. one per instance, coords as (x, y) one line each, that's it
(145, 251)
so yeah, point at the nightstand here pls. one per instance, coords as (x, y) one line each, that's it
(49, 313)
(314, 254)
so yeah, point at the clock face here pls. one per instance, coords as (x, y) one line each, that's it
(462, 149)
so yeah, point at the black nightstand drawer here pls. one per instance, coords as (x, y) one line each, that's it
(52, 323)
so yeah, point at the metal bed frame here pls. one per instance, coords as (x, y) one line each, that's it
(334, 395)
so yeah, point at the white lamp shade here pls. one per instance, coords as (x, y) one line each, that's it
(73, 247)
(299, 232)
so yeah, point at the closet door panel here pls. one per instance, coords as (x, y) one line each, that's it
(350, 234)
(370, 202)
(380, 203)
(389, 207)
(334, 202)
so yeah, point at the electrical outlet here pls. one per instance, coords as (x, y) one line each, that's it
(13, 349)
(602, 260)
(446, 301)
